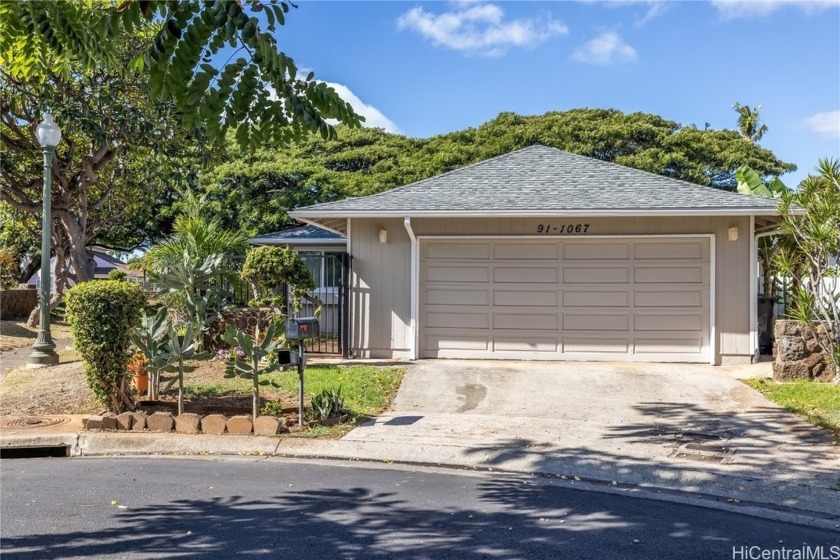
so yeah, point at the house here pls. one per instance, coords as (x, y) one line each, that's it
(104, 262)
(543, 254)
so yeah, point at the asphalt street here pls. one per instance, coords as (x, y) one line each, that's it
(241, 507)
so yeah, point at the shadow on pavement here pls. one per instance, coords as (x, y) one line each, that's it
(514, 520)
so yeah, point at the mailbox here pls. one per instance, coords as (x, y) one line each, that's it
(302, 327)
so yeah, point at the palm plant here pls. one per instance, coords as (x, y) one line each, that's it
(748, 122)
(816, 234)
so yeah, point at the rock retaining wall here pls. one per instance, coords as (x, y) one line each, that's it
(245, 319)
(187, 423)
(798, 355)
(17, 304)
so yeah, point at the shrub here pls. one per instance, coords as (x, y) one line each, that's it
(102, 315)
(9, 271)
(268, 268)
(327, 404)
(117, 274)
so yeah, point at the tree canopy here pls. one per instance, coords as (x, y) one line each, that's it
(254, 191)
(214, 60)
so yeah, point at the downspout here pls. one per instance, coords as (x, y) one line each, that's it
(754, 292)
(414, 288)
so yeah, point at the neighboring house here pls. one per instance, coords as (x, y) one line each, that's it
(322, 252)
(542, 254)
(105, 263)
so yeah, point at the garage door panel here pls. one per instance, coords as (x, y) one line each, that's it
(525, 297)
(585, 298)
(693, 250)
(599, 275)
(457, 273)
(458, 319)
(457, 251)
(519, 343)
(455, 296)
(526, 251)
(662, 298)
(670, 274)
(603, 322)
(595, 251)
(525, 275)
(682, 322)
(526, 320)
(456, 341)
(664, 345)
(596, 345)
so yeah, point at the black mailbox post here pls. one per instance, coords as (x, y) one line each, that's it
(299, 329)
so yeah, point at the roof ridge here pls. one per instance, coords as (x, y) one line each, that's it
(444, 174)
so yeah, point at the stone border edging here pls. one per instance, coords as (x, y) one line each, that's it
(186, 423)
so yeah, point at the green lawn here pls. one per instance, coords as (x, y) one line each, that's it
(819, 403)
(367, 390)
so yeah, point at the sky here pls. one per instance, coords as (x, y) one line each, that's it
(425, 68)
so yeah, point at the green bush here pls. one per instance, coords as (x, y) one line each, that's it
(9, 271)
(102, 314)
(117, 274)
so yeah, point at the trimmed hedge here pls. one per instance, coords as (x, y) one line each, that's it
(102, 314)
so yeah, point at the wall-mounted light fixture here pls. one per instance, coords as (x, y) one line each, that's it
(732, 233)
(383, 235)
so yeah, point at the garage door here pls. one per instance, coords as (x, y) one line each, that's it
(644, 299)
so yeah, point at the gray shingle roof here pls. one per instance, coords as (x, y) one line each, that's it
(542, 179)
(298, 236)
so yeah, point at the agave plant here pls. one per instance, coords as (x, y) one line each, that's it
(254, 351)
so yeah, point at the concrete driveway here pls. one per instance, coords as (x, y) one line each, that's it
(693, 428)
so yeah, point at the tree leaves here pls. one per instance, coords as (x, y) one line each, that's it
(270, 105)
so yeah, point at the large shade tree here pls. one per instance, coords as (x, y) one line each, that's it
(254, 190)
(118, 155)
(126, 80)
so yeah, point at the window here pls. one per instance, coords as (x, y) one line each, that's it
(324, 267)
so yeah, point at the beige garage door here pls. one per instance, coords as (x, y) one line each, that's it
(574, 299)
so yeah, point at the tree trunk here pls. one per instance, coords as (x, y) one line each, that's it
(256, 404)
(30, 269)
(180, 386)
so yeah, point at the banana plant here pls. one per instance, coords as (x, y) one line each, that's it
(255, 350)
(749, 182)
(181, 347)
(150, 340)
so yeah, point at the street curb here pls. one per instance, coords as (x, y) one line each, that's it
(103, 444)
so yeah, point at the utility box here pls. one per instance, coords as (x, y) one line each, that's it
(302, 327)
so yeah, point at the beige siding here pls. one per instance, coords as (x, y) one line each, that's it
(381, 289)
(382, 283)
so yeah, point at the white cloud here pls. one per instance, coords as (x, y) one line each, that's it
(735, 9)
(606, 48)
(826, 124)
(653, 8)
(374, 118)
(480, 28)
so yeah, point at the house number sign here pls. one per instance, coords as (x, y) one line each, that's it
(563, 228)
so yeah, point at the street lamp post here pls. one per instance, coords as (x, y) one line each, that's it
(43, 351)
